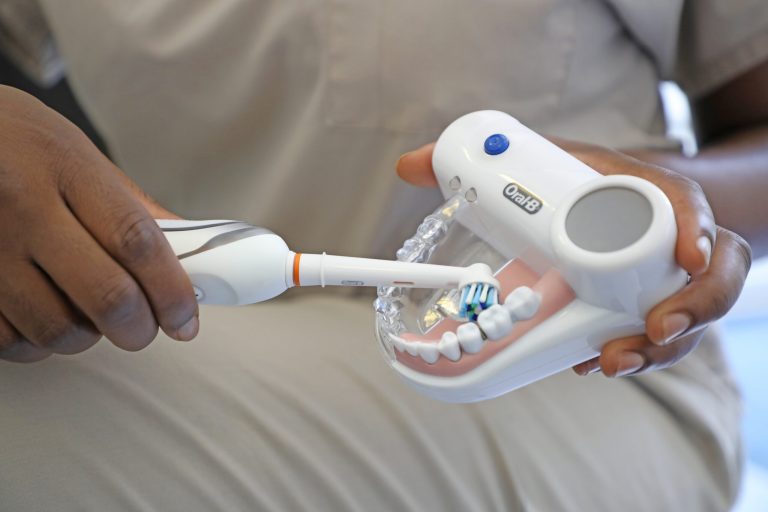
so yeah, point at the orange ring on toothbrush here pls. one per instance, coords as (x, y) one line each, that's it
(296, 260)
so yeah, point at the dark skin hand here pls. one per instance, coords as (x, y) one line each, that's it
(81, 255)
(729, 174)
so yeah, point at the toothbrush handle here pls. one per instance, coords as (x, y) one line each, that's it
(229, 262)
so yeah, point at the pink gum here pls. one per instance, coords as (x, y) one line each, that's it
(555, 293)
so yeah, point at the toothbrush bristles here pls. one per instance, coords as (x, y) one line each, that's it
(475, 298)
(471, 293)
(463, 300)
(484, 293)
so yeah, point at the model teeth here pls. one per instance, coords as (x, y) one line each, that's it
(429, 352)
(412, 347)
(449, 346)
(470, 338)
(522, 303)
(496, 322)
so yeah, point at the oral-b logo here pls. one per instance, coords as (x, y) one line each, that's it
(522, 198)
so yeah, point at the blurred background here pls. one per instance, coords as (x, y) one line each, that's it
(746, 334)
(746, 326)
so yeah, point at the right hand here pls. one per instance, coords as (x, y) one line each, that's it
(80, 253)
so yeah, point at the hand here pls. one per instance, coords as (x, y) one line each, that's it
(717, 259)
(81, 254)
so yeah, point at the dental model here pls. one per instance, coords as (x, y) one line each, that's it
(581, 259)
(233, 263)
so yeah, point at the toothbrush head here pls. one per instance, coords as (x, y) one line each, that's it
(479, 291)
(476, 298)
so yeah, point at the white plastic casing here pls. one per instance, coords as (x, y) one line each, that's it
(612, 238)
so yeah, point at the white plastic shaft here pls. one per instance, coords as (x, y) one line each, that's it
(327, 270)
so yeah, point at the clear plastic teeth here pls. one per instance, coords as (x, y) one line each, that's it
(432, 230)
(417, 249)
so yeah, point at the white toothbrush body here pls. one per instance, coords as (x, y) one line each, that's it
(234, 263)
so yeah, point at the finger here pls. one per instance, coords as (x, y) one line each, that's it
(694, 218)
(14, 348)
(90, 157)
(636, 354)
(707, 297)
(116, 218)
(696, 230)
(101, 289)
(156, 211)
(416, 167)
(588, 367)
(41, 315)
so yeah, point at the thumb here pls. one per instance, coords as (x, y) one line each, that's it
(415, 167)
(708, 296)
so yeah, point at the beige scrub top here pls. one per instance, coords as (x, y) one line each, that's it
(291, 115)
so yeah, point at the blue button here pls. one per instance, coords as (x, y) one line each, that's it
(496, 144)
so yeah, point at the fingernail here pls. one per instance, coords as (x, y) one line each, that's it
(673, 325)
(587, 367)
(594, 369)
(704, 244)
(629, 363)
(189, 330)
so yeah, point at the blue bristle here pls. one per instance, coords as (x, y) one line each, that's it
(463, 302)
(483, 298)
(493, 296)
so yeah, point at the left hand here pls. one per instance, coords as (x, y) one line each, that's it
(717, 259)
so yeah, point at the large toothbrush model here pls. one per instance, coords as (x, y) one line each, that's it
(233, 263)
(589, 256)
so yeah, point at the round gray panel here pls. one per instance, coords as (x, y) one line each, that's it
(608, 219)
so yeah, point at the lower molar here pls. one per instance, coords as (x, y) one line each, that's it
(496, 322)
(522, 303)
(470, 338)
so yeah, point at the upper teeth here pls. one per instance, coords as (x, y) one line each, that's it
(522, 303)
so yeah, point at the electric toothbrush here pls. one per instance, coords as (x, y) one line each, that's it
(233, 263)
